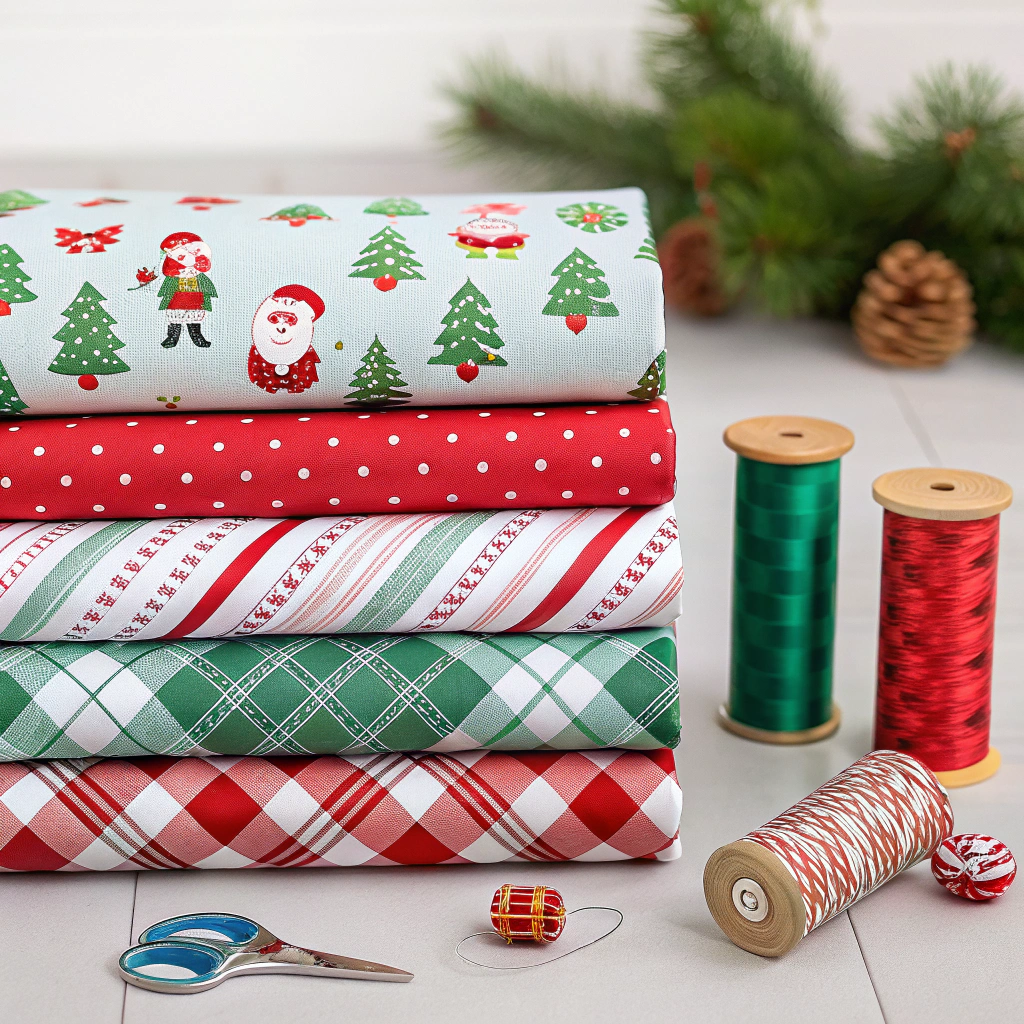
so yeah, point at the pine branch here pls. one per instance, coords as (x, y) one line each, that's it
(740, 43)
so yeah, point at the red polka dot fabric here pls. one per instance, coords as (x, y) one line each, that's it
(321, 462)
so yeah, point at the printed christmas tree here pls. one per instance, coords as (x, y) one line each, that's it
(18, 199)
(652, 383)
(387, 259)
(648, 250)
(378, 379)
(470, 334)
(396, 206)
(298, 215)
(88, 343)
(10, 400)
(12, 280)
(580, 292)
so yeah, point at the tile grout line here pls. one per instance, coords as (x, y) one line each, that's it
(867, 967)
(131, 932)
(916, 425)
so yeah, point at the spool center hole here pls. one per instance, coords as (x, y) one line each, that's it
(943, 487)
(749, 900)
(790, 433)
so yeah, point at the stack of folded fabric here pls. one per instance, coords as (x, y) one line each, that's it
(315, 552)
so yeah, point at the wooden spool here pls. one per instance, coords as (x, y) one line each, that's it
(754, 899)
(952, 495)
(786, 441)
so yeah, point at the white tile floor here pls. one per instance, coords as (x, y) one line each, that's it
(907, 953)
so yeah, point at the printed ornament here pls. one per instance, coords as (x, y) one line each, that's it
(88, 345)
(386, 260)
(468, 371)
(974, 866)
(297, 215)
(12, 280)
(594, 218)
(73, 241)
(527, 913)
(396, 206)
(378, 379)
(470, 334)
(580, 292)
(15, 199)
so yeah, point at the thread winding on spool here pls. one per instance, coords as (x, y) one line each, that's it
(940, 548)
(881, 815)
(528, 913)
(784, 578)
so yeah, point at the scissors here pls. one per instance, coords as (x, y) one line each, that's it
(214, 947)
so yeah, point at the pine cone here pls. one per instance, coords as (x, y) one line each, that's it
(689, 259)
(915, 309)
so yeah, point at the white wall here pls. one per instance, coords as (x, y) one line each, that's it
(131, 79)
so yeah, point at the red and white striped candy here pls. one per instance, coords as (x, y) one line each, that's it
(974, 866)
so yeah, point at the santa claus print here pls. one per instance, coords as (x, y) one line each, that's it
(282, 357)
(186, 293)
(491, 232)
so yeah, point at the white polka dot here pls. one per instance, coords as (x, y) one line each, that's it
(423, 468)
(364, 471)
(655, 457)
(655, 411)
(422, 416)
(5, 482)
(218, 504)
(365, 416)
(393, 501)
(65, 481)
(335, 501)
(160, 506)
(68, 425)
(191, 423)
(97, 449)
(541, 464)
(510, 495)
(538, 414)
(97, 508)
(186, 478)
(39, 451)
(453, 438)
(483, 415)
(132, 423)
(125, 478)
(511, 436)
(275, 443)
(333, 442)
(669, 430)
(303, 419)
(277, 504)
(393, 439)
(247, 420)
(624, 432)
(453, 497)
(623, 490)
(245, 475)
(591, 412)
(218, 446)
(303, 473)
(40, 508)
(13, 429)
(596, 461)
(158, 449)
(566, 494)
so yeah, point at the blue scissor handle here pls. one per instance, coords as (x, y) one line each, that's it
(236, 932)
(203, 960)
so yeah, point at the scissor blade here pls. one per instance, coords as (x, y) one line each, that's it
(350, 967)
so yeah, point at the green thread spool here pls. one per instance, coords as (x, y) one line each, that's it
(784, 578)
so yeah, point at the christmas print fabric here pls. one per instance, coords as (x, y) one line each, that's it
(322, 462)
(559, 570)
(359, 694)
(377, 809)
(266, 302)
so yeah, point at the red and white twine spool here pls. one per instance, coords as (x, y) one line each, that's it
(528, 913)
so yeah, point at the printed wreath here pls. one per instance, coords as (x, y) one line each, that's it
(593, 217)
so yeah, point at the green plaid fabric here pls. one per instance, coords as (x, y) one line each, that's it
(352, 694)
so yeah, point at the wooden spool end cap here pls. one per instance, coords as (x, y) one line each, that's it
(788, 440)
(957, 495)
(736, 905)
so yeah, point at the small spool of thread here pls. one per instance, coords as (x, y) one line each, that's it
(528, 913)
(881, 815)
(940, 548)
(784, 578)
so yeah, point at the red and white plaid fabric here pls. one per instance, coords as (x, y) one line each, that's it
(380, 809)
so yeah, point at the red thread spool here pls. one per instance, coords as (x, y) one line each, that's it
(940, 547)
(528, 913)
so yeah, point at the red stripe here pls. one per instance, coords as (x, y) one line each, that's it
(581, 570)
(230, 578)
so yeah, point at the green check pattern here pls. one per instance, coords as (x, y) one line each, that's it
(352, 694)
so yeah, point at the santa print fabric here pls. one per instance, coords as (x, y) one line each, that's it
(306, 302)
(558, 570)
(378, 809)
(361, 694)
(322, 462)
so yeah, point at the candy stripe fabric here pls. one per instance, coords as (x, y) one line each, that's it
(358, 694)
(525, 570)
(885, 813)
(383, 809)
(272, 464)
(128, 302)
